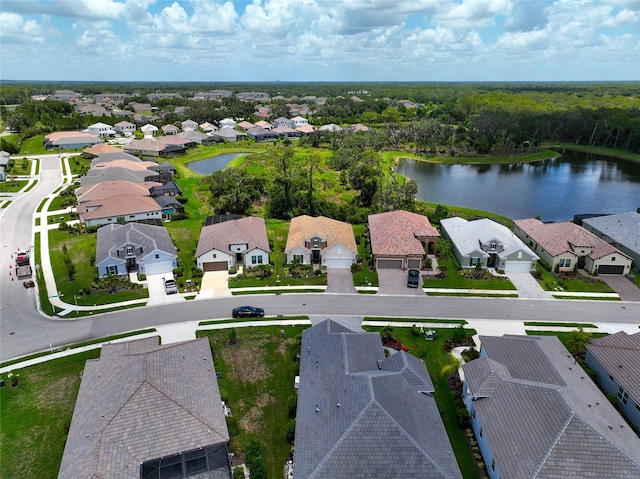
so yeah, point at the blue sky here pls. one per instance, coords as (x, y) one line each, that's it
(320, 40)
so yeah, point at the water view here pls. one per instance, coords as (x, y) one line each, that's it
(556, 189)
(215, 163)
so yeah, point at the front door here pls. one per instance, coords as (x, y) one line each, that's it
(315, 256)
(131, 265)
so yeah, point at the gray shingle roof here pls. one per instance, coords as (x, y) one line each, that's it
(361, 415)
(543, 417)
(135, 405)
(623, 228)
(148, 237)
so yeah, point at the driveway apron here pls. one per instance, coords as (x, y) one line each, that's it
(340, 280)
(394, 281)
(623, 286)
(527, 286)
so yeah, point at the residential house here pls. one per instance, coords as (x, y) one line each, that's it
(287, 132)
(252, 95)
(281, 121)
(90, 109)
(120, 209)
(101, 130)
(321, 241)
(245, 125)
(565, 246)
(105, 189)
(69, 140)
(153, 147)
(213, 95)
(306, 129)
(362, 414)
(359, 127)
(177, 140)
(125, 248)
(330, 127)
(197, 137)
(401, 239)
(489, 243)
(140, 107)
(298, 121)
(621, 231)
(122, 113)
(118, 173)
(163, 96)
(536, 414)
(170, 206)
(96, 150)
(260, 134)
(167, 189)
(110, 155)
(125, 128)
(149, 130)
(264, 124)
(208, 128)
(146, 410)
(229, 134)
(262, 111)
(143, 167)
(189, 125)
(170, 129)
(227, 123)
(65, 95)
(616, 359)
(110, 97)
(4, 163)
(237, 242)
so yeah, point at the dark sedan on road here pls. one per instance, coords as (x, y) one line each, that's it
(247, 312)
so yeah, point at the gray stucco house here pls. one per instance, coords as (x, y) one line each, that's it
(130, 247)
(536, 414)
(616, 358)
(621, 231)
(149, 411)
(489, 243)
(363, 415)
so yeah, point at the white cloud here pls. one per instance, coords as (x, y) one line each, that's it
(622, 18)
(472, 13)
(16, 30)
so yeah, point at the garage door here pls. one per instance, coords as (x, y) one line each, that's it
(215, 266)
(610, 269)
(338, 262)
(389, 263)
(414, 263)
(158, 268)
(517, 267)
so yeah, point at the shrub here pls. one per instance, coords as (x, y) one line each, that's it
(291, 431)
(232, 426)
(238, 472)
(292, 406)
(182, 199)
(470, 354)
(255, 461)
(415, 331)
(355, 267)
(459, 334)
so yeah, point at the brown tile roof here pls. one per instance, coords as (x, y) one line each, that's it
(67, 134)
(306, 129)
(333, 231)
(106, 189)
(558, 238)
(394, 233)
(250, 230)
(127, 164)
(619, 353)
(120, 205)
(95, 150)
(245, 125)
(173, 140)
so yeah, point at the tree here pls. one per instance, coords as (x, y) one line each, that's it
(578, 338)
(365, 176)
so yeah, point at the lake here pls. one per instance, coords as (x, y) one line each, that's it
(556, 189)
(215, 163)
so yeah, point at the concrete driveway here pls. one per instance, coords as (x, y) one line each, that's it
(623, 286)
(527, 286)
(215, 284)
(394, 281)
(339, 280)
(157, 295)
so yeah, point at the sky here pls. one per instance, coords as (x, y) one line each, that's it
(320, 40)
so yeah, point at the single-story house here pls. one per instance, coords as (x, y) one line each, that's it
(245, 125)
(227, 123)
(281, 121)
(120, 209)
(260, 134)
(197, 137)
(69, 140)
(125, 248)
(322, 241)
(536, 414)
(124, 127)
(208, 128)
(118, 173)
(616, 359)
(565, 246)
(146, 410)
(165, 170)
(229, 134)
(489, 243)
(4, 162)
(149, 130)
(241, 242)
(359, 127)
(121, 163)
(176, 140)
(97, 150)
(621, 231)
(170, 206)
(105, 189)
(167, 189)
(170, 129)
(153, 147)
(306, 129)
(111, 155)
(330, 127)
(264, 124)
(361, 414)
(189, 125)
(101, 129)
(401, 239)
(287, 132)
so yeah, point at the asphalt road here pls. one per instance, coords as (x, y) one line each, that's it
(24, 330)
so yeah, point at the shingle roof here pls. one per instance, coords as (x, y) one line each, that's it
(118, 173)
(150, 238)
(394, 233)
(558, 238)
(619, 353)
(119, 155)
(333, 231)
(119, 205)
(623, 228)
(543, 417)
(135, 405)
(250, 230)
(361, 415)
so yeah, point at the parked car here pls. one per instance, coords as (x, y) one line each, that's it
(413, 280)
(247, 312)
(170, 286)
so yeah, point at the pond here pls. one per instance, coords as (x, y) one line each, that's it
(215, 163)
(556, 189)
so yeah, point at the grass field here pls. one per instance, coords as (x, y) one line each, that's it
(456, 280)
(578, 283)
(12, 186)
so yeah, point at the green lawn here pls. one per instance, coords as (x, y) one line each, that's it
(578, 283)
(12, 186)
(455, 280)
(20, 167)
(33, 146)
(36, 416)
(257, 381)
(365, 276)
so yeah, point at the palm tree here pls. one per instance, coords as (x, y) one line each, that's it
(577, 341)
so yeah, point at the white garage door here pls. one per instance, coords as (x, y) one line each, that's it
(517, 267)
(158, 268)
(390, 263)
(338, 262)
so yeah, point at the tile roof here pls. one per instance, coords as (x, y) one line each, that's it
(467, 236)
(333, 231)
(250, 230)
(306, 128)
(101, 148)
(619, 353)
(118, 173)
(135, 405)
(245, 125)
(122, 163)
(543, 417)
(120, 155)
(119, 205)
(106, 189)
(58, 135)
(558, 238)
(111, 238)
(361, 415)
(394, 233)
(623, 228)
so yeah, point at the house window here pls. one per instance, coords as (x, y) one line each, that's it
(638, 407)
(519, 254)
(213, 255)
(473, 414)
(254, 260)
(623, 395)
(564, 263)
(157, 256)
(610, 377)
(480, 432)
(299, 258)
(493, 465)
(129, 250)
(132, 216)
(613, 258)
